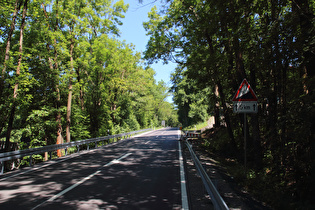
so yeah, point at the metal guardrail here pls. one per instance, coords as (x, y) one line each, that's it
(192, 134)
(216, 198)
(40, 150)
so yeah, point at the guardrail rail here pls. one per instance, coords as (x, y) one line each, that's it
(50, 148)
(217, 200)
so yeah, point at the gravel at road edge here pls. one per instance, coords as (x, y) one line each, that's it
(234, 197)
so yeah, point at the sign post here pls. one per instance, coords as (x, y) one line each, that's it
(245, 143)
(245, 101)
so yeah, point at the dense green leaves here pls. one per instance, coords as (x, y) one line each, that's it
(271, 43)
(75, 77)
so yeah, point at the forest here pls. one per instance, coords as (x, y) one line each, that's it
(217, 44)
(65, 76)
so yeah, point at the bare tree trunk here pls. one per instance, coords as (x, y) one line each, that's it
(16, 86)
(58, 114)
(81, 97)
(69, 111)
(57, 103)
(69, 94)
(216, 108)
(54, 68)
(7, 56)
(59, 133)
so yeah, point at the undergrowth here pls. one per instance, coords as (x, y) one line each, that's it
(261, 183)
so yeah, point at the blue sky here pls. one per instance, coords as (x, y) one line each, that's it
(133, 32)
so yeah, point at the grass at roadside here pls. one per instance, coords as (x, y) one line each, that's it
(197, 126)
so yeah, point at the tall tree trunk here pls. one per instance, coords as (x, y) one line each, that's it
(69, 93)
(305, 16)
(255, 126)
(226, 115)
(54, 69)
(69, 111)
(239, 60)
(81, 97)
(222, 96)
(6, 58)
(216, 108)
(16, 86)
(59, 139)
(10, 33)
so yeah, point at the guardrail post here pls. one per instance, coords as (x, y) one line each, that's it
(66, 151)
(31, 160)
(52, 148)
(2, 167)
(88, 146)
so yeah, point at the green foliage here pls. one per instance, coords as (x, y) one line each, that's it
(132, 124)
(38, 129)
(219, 43)
(192, 102)
(80, 125)
(71, 47)
(197, 126)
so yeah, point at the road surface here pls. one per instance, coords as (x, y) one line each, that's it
(138, 173)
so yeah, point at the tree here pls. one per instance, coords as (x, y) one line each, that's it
(217, 44)
(69, 71)
(18, 70)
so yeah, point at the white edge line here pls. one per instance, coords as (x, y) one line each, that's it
(185, 205)
(55, 161)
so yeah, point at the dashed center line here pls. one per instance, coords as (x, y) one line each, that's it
(115, 161)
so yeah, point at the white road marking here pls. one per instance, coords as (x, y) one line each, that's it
(185, 205)
(66, 158)
(82, 181)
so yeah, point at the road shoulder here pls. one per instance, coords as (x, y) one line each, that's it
(233, 195)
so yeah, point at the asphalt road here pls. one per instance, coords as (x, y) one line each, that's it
(138, 173)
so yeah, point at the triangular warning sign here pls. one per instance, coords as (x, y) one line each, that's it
(245, 93)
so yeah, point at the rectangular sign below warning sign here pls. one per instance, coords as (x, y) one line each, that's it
(245, 107)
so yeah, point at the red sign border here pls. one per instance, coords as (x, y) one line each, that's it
(250, 89)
